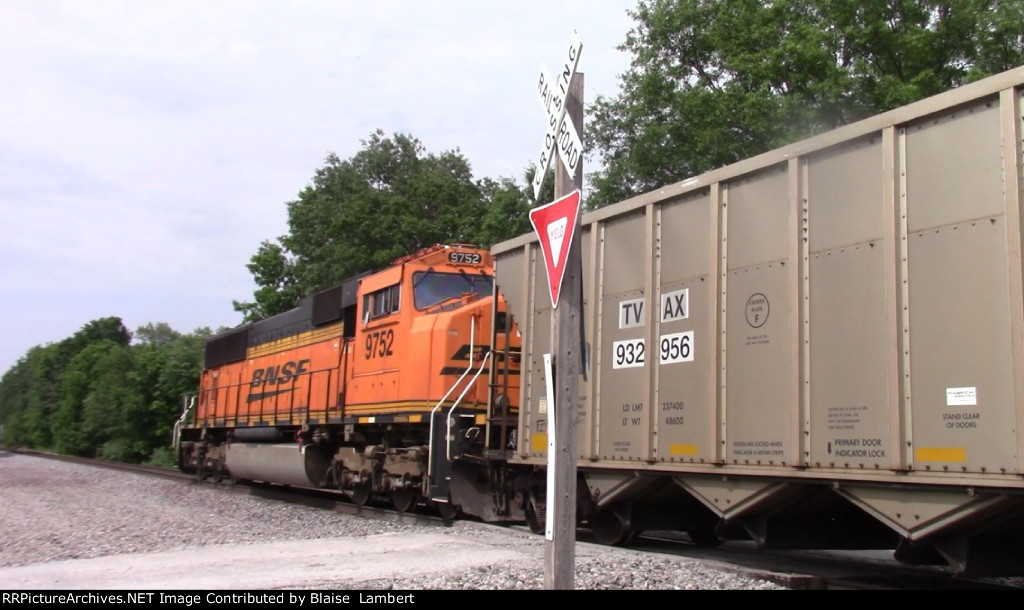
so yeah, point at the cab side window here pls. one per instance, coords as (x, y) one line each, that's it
(381, 302)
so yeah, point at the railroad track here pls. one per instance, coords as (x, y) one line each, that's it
(797, 570)
(321, 499)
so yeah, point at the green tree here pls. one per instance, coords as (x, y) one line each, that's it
(110, 329)
(31, 392)
(507, 213)
(547, 187)
(167, 365)
(274, 274)
(33, 423)
(96, 395)
(15, 398)
(155, 335)
(713, 82)
(390, 199)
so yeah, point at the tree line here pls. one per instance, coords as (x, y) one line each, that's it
(710, 82)
(103, 392)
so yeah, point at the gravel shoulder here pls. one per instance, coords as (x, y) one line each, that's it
(66, 526)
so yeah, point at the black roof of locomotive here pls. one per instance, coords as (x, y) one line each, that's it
(312, 311)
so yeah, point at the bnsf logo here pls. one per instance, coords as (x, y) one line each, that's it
(277, 375)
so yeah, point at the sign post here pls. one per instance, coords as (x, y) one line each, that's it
(557, 225)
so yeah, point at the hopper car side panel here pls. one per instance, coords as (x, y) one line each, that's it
(858, 314)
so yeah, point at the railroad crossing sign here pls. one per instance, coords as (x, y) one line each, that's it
(561, 132)
(555, 224)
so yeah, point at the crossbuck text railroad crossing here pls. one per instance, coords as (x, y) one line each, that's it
(561, 132)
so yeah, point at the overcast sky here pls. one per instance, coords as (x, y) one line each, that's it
(147, 148)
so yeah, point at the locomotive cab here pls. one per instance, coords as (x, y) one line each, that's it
(424, 387)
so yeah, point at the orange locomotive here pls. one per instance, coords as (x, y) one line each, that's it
(399, 385)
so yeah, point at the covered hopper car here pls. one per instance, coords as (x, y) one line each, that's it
(819, 347)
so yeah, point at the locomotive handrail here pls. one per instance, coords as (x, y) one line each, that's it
(448, 439)
(266, 408)
(469, 367)
(181, 420)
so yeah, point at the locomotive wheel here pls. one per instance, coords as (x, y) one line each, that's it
(449, 511)
(609, 529)
(361, 495)
(535, 516)
(405, 500)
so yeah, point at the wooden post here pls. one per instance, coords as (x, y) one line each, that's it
(566, 345)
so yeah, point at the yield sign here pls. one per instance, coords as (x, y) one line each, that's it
(555, 224)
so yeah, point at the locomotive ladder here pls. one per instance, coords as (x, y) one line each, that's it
(498, 404)
(443, 434)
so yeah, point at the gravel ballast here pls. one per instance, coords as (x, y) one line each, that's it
(68, 526)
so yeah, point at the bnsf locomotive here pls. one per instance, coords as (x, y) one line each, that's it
(820, 347)
(383, 387)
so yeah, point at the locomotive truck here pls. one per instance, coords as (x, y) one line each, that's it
(818, 347)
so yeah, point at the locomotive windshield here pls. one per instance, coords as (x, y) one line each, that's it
(431, 288)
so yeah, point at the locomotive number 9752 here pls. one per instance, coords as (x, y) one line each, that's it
(464, 258)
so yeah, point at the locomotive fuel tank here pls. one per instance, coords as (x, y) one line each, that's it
(283, 463)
